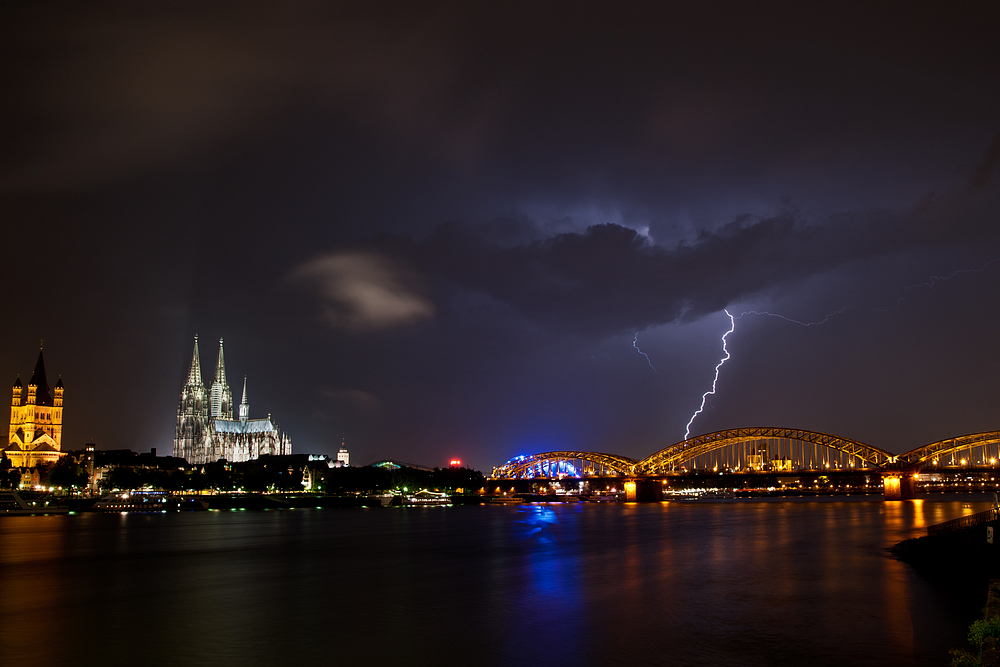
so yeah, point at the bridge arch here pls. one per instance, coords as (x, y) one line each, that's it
(670, 458)
(937, 450)
(573, 464)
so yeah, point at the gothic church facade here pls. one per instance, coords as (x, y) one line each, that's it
(206, 430)
(35, 421)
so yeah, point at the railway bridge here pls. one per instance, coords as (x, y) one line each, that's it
(760, 449)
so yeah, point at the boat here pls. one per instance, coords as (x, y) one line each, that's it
(506, 500)
(11, 503)
(425, 498)
(381, 500)
(147, 501)
(602, 498)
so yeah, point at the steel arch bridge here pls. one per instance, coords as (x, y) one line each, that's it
(671, 458)
(979, 448)
(575, 464)
(758, 441)
(937, 450)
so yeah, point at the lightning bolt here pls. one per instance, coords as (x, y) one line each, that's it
(788, 319)
(635, 344)
(930, 282)
(704, 397)
(725, 350)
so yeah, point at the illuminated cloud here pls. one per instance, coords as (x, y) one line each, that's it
(365, 291)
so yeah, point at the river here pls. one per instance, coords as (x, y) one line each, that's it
(791, 581)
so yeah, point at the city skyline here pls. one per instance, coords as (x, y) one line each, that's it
(468, 232)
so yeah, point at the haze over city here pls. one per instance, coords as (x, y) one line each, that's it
(436, 231)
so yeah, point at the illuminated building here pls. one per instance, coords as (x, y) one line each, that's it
(206, 430)
(781, 463)
(35, 420)
(87, 463)
(343, 457)
(191, 435)
(312, 478)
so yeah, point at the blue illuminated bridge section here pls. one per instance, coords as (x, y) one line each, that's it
(770, 449)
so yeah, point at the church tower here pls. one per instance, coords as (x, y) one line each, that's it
(222, 396)
(35, 420)
(191, 438)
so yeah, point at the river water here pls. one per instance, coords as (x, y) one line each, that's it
(754, 582)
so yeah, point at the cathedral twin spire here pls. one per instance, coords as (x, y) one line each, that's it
(206, 431)
(220, 366)
(221, 396)
(194, 375)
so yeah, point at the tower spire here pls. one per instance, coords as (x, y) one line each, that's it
(221, 394)
(244, 406)
(42, 396)
(220, 366)
(191, 436)
(194, 375)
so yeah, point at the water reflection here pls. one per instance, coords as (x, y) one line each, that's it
(538, 522)
(793, 581)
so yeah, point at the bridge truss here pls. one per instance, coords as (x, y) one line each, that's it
(760, 448)
(769, 449)
(570, 464)
(974, 449)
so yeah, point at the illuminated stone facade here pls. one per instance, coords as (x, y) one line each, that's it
(343, 456)
(206, 430)
(35, 420)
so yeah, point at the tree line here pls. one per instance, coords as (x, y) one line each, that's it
(266, 474)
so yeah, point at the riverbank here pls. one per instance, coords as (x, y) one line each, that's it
(963, 554)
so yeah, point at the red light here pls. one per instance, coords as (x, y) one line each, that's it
(454, 463)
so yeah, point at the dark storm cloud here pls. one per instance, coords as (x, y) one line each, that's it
(145, 88)
(610, 278)
(641, 101)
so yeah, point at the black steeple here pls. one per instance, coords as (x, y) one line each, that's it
(42, 395)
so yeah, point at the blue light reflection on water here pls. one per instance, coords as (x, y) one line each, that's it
(736, 583)
(551, 585)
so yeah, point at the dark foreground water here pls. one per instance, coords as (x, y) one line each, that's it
(786, 582)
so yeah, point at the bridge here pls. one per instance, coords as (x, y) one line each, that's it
(762, 449)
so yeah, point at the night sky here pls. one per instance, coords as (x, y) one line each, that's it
(436, 230)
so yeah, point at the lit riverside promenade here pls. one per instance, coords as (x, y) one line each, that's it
(757, 450)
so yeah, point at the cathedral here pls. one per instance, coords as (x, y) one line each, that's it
(35, 420)
(206, 430)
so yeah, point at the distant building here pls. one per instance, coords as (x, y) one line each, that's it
(312, 478)
(781, 463)
(35, 420)
(343, 459)
(343, 456)
(206, 430)
(87, 463)
(391, 464)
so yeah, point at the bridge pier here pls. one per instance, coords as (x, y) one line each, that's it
(898, 486)
(643, 490)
